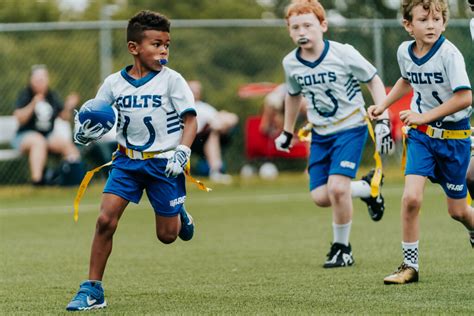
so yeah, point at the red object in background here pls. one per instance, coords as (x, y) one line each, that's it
(394, 110)
(256, 89)
(258, 145)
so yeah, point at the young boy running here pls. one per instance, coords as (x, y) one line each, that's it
(438, 122)
(157, 125)
(327, 74)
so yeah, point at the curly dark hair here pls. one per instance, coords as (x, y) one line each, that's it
(439, 5)
(146, 20)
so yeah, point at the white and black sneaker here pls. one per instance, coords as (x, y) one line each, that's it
(375, 205)
(339, 256)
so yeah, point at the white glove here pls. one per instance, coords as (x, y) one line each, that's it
(283, 142)
(383, 138)
(84, 134)
(177, 163)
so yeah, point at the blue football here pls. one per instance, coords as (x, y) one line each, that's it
(98, 112)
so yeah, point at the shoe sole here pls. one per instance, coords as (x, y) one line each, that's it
(341, 266)
(98, 306)
(333, 267)
(389, 282)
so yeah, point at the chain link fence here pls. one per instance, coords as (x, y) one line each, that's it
(222, 54)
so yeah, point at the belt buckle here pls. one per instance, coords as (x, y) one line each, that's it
(135, 154)
(436, 132)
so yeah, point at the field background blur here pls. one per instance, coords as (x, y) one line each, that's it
(223, 43)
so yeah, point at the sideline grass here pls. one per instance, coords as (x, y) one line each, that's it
(259, 249)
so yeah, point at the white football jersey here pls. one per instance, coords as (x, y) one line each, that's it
(150, 109)
(330, 85)
(434, 77)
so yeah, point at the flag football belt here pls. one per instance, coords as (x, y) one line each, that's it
(440, 133)
(432, 132)
(133, 154)
(304, 134)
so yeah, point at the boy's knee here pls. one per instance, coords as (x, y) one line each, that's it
(166, 237)
(320, 199)
(106, 224)
(338, 191)
(411, 202)
(457, 213)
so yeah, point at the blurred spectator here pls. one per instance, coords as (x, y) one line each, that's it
(271, 124)
(214, 129)
(37, 109)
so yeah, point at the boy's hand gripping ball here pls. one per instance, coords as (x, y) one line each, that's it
(94, 119)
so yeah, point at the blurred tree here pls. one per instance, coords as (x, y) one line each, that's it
(13, 11)
(378, 9)
(189, 9)
(52, 10)
(350, 8)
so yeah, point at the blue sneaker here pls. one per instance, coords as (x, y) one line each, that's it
(89, 296)
(187, 225)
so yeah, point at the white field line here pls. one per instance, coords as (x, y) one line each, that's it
(195, 198)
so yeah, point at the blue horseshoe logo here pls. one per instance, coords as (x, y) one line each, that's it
(151, 130)
(321, 112)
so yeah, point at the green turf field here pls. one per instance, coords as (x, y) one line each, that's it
(258, 249)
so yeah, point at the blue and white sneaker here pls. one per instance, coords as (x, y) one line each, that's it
(89, 296)
(187, 225)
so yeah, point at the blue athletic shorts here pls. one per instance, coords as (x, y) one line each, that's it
(129, 177)
(338, 153)
(443, 161)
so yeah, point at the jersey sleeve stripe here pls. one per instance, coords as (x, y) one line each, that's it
(188, 110)
(294, 94)
(462, 88)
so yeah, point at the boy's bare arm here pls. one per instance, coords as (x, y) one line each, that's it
(400, 88)
(190, 128)
(460, 100)
(292, 106)
(377, 90)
